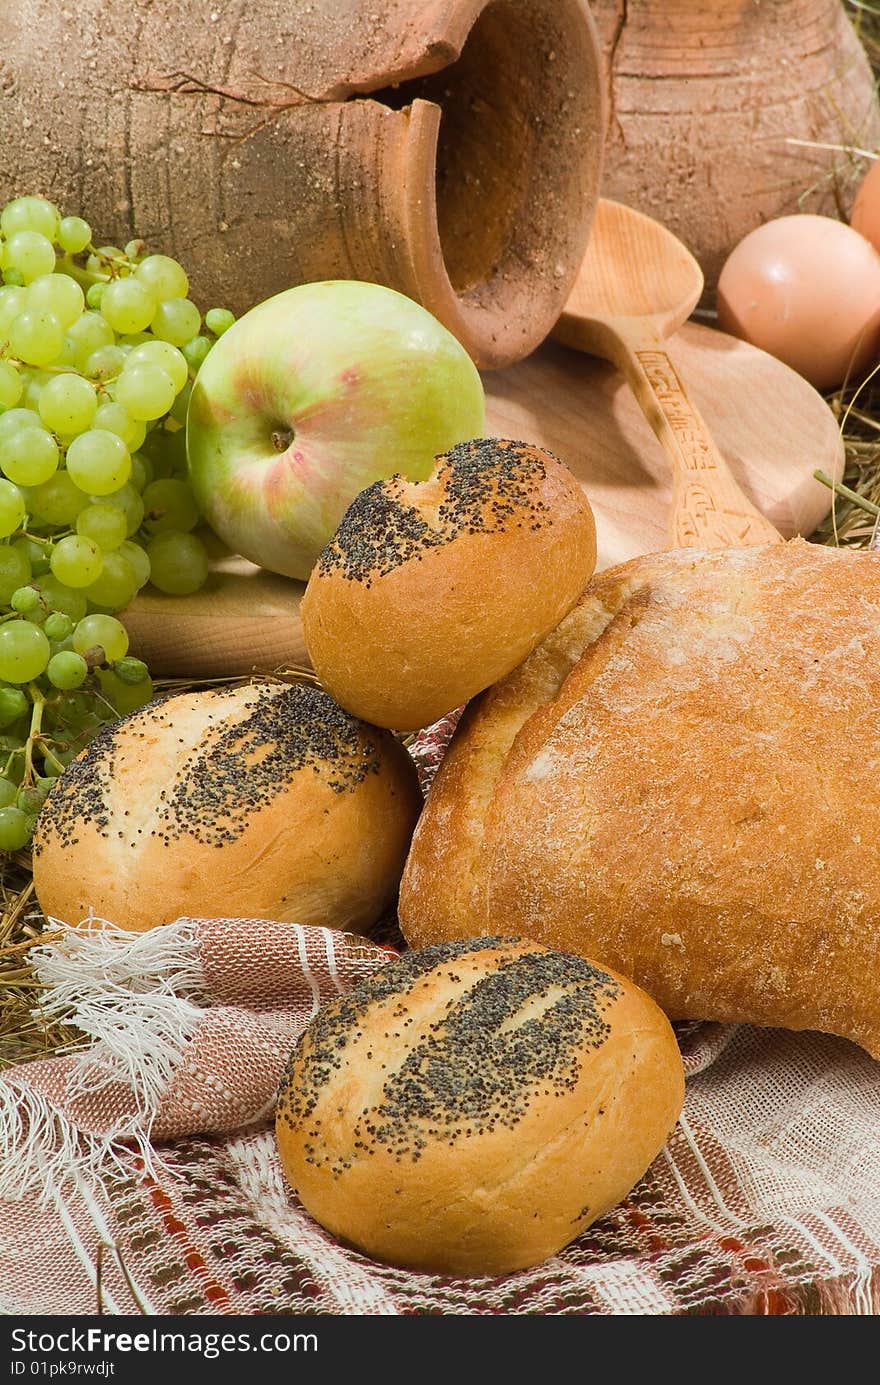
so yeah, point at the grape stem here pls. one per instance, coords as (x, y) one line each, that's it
(86, 277)
(34, 734)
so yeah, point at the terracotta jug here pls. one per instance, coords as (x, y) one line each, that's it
(450, 149)
(704, 97)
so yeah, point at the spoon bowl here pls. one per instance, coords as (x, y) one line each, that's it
(633, 268)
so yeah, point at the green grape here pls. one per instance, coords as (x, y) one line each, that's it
(14, 419)
(154, 446)
(178, 563)
(36, 337)
(105, 524)
(116, 586)
(58, 294)
(137, 560)
(164, 277)
(147, 391)
(24, 651)
(129, 501)
(195, 351)
(89, 334)
(131, 340)
(12, 302)
(30, 800)
(68, 355)
(128, 305)
(141, 471)
(98, 461)
(58, 627)
(176, 320)
(86, 445)
(72, 708)
(219, 320)
(12, 510)
(125, 697)
(116, 419)
(161, 353)
(67, 670)
(181, 404)
(15, 570)
(97, 632)
(24, 599)
(29, 457)
(168, 505)
(131, 670)
(34, 382)
(57, 501)
(176, 449)
(59, 597)
(31, 253)
(76, 561)
(105, 363)
(13, 706)
(30, 214)
(68, 404)
(15, 829)
(10, 385)
(74, 234)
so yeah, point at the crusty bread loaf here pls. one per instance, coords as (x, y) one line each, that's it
(472, 1107)
(683, 783)
(263, 800)
(430, 591)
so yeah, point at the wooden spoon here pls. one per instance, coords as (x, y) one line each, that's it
(636, 286)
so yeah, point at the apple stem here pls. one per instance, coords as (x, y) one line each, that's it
(282, 438)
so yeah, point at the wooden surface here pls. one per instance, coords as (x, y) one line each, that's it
(636, 286)
(771, 426)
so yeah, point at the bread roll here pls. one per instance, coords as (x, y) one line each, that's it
(473, 1107)
(430, 591)
(682, 783)
(261, 801)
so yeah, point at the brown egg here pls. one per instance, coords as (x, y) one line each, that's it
(806, 289)
(866, 210)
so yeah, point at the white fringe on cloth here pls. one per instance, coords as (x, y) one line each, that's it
(128, 993)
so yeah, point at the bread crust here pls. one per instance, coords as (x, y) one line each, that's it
(474, 1107)
(678, 784)
(432, 591)
(262, 800)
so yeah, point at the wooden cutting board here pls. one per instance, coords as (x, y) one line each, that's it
(771, 426)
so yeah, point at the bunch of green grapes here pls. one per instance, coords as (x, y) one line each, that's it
(98, 351)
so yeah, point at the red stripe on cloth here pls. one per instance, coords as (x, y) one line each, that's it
(770, 1302)
(214, 1291)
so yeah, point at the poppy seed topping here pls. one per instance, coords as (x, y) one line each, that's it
(488, 486)
(517, 1033)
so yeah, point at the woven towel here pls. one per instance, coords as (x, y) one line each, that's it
(153, 1153)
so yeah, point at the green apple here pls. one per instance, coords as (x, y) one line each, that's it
(308, 399)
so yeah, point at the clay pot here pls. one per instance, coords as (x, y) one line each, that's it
(449, 149)
(703, 96)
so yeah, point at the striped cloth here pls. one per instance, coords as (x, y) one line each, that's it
(141, 1175)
